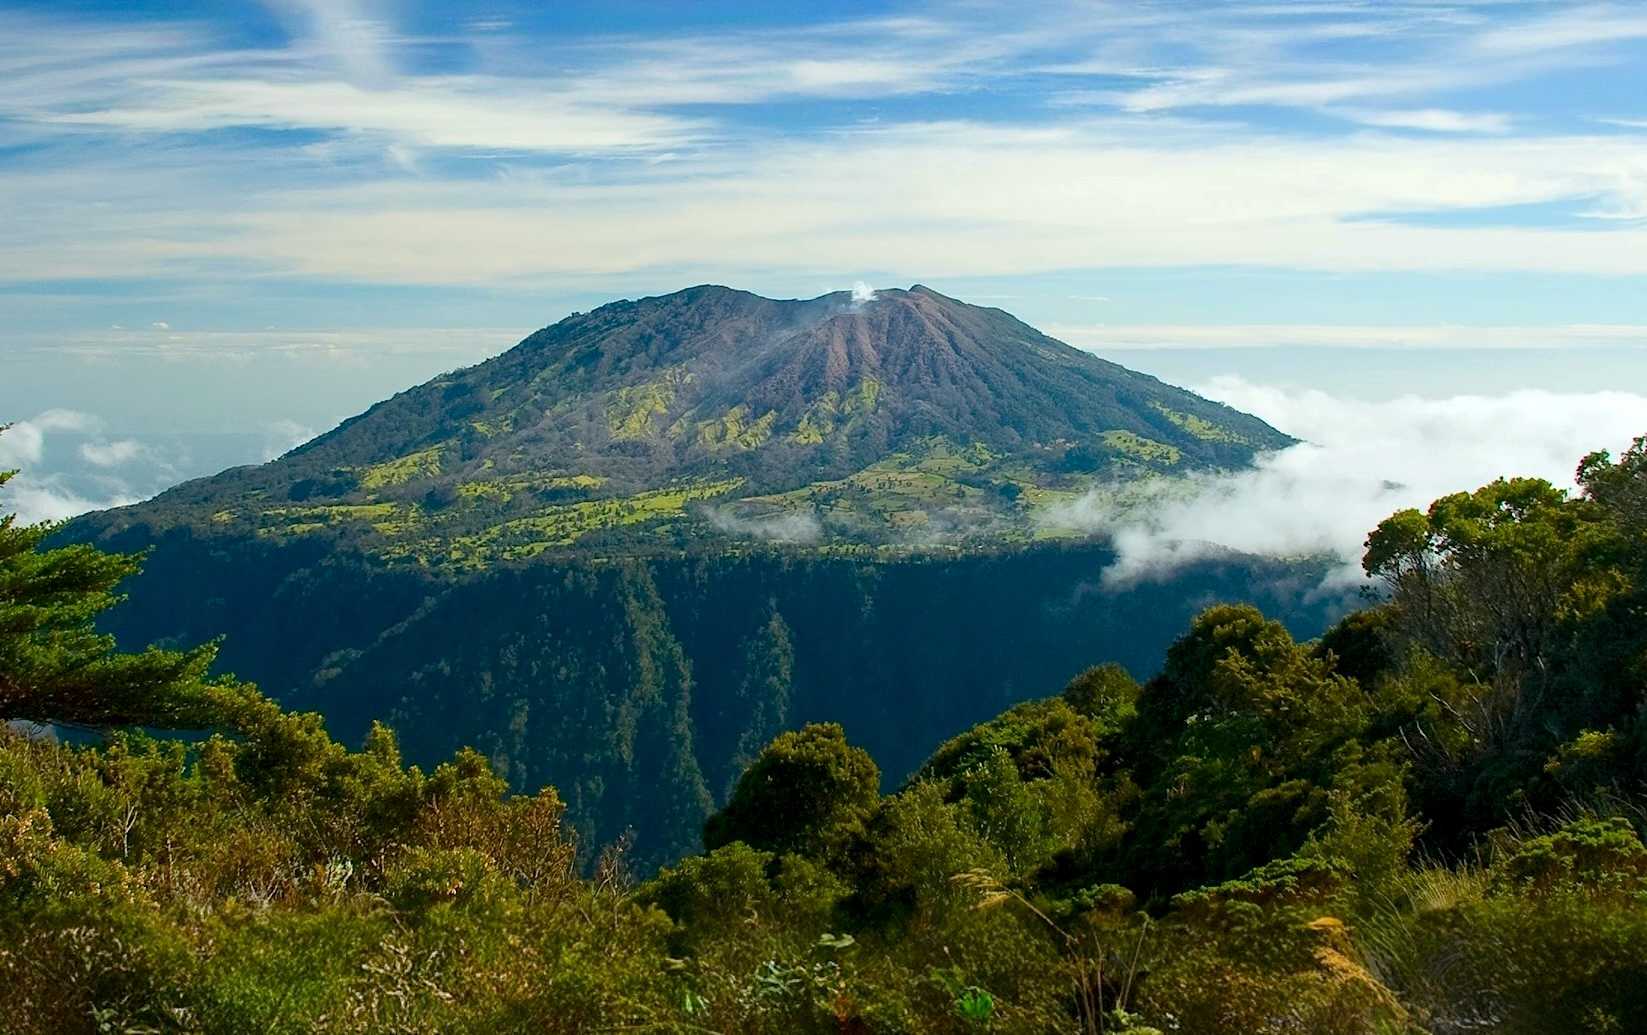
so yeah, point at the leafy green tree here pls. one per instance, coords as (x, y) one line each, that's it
(1107, 693)
(1242, 738)
(1604, 673)
(802, 794)
(55, 667)
(1619, 488)
(1478, 580)
(1040, 738)
(1004, 812)
(1514, 635)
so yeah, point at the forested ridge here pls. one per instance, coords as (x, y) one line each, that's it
(667, 673)
(1428, 819)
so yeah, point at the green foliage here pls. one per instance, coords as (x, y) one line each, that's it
(1515, 646)
(54, 664)
(715, 891)
(1242, 739)
(1247, 844)
(1106, 693)
(1004, 812)
(609, 680)
(1036, 737)
(805, 793)
(1588, 853)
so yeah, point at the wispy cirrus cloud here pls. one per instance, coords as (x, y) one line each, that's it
(1434, 120)
(362, 147)
(1079, 195)
(1576, 27)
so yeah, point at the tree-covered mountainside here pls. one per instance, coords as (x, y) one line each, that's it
(1426, 822)
(641, 686)
(908, 418)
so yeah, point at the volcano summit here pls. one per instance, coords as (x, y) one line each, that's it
(903, 418)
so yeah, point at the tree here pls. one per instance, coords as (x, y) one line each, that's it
(1478, 579)
(1106, 692)
(806, 787)
(55, 667)
(1238, 745)
(763, 695)
(1619, 489)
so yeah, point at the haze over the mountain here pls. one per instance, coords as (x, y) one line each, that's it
(907, 416)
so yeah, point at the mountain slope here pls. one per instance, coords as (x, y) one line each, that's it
(642, 687)
(908, 418)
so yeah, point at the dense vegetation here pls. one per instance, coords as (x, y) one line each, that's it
(713, 413)
(641, 687)
(1428, 820)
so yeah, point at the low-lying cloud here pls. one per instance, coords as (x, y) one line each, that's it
(111, 454)
(24, 442)
(69, 462)
(1358, 462)
(36, 499)
(788, 527)
(36, 495)
(282, 436)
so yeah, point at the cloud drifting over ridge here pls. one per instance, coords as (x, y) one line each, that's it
(1359, 462)
(37, 499)
(792, 527)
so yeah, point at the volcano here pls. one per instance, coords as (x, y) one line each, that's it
(907, 418)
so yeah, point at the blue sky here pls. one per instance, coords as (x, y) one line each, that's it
(293, 208)
(314, 165)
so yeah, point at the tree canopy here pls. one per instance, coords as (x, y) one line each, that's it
(55, 667)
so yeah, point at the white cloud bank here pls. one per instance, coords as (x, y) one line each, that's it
(791, 527)
(1359, 462)
(111, 454)
(282, 436)
(34, 500)
(35, 497)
